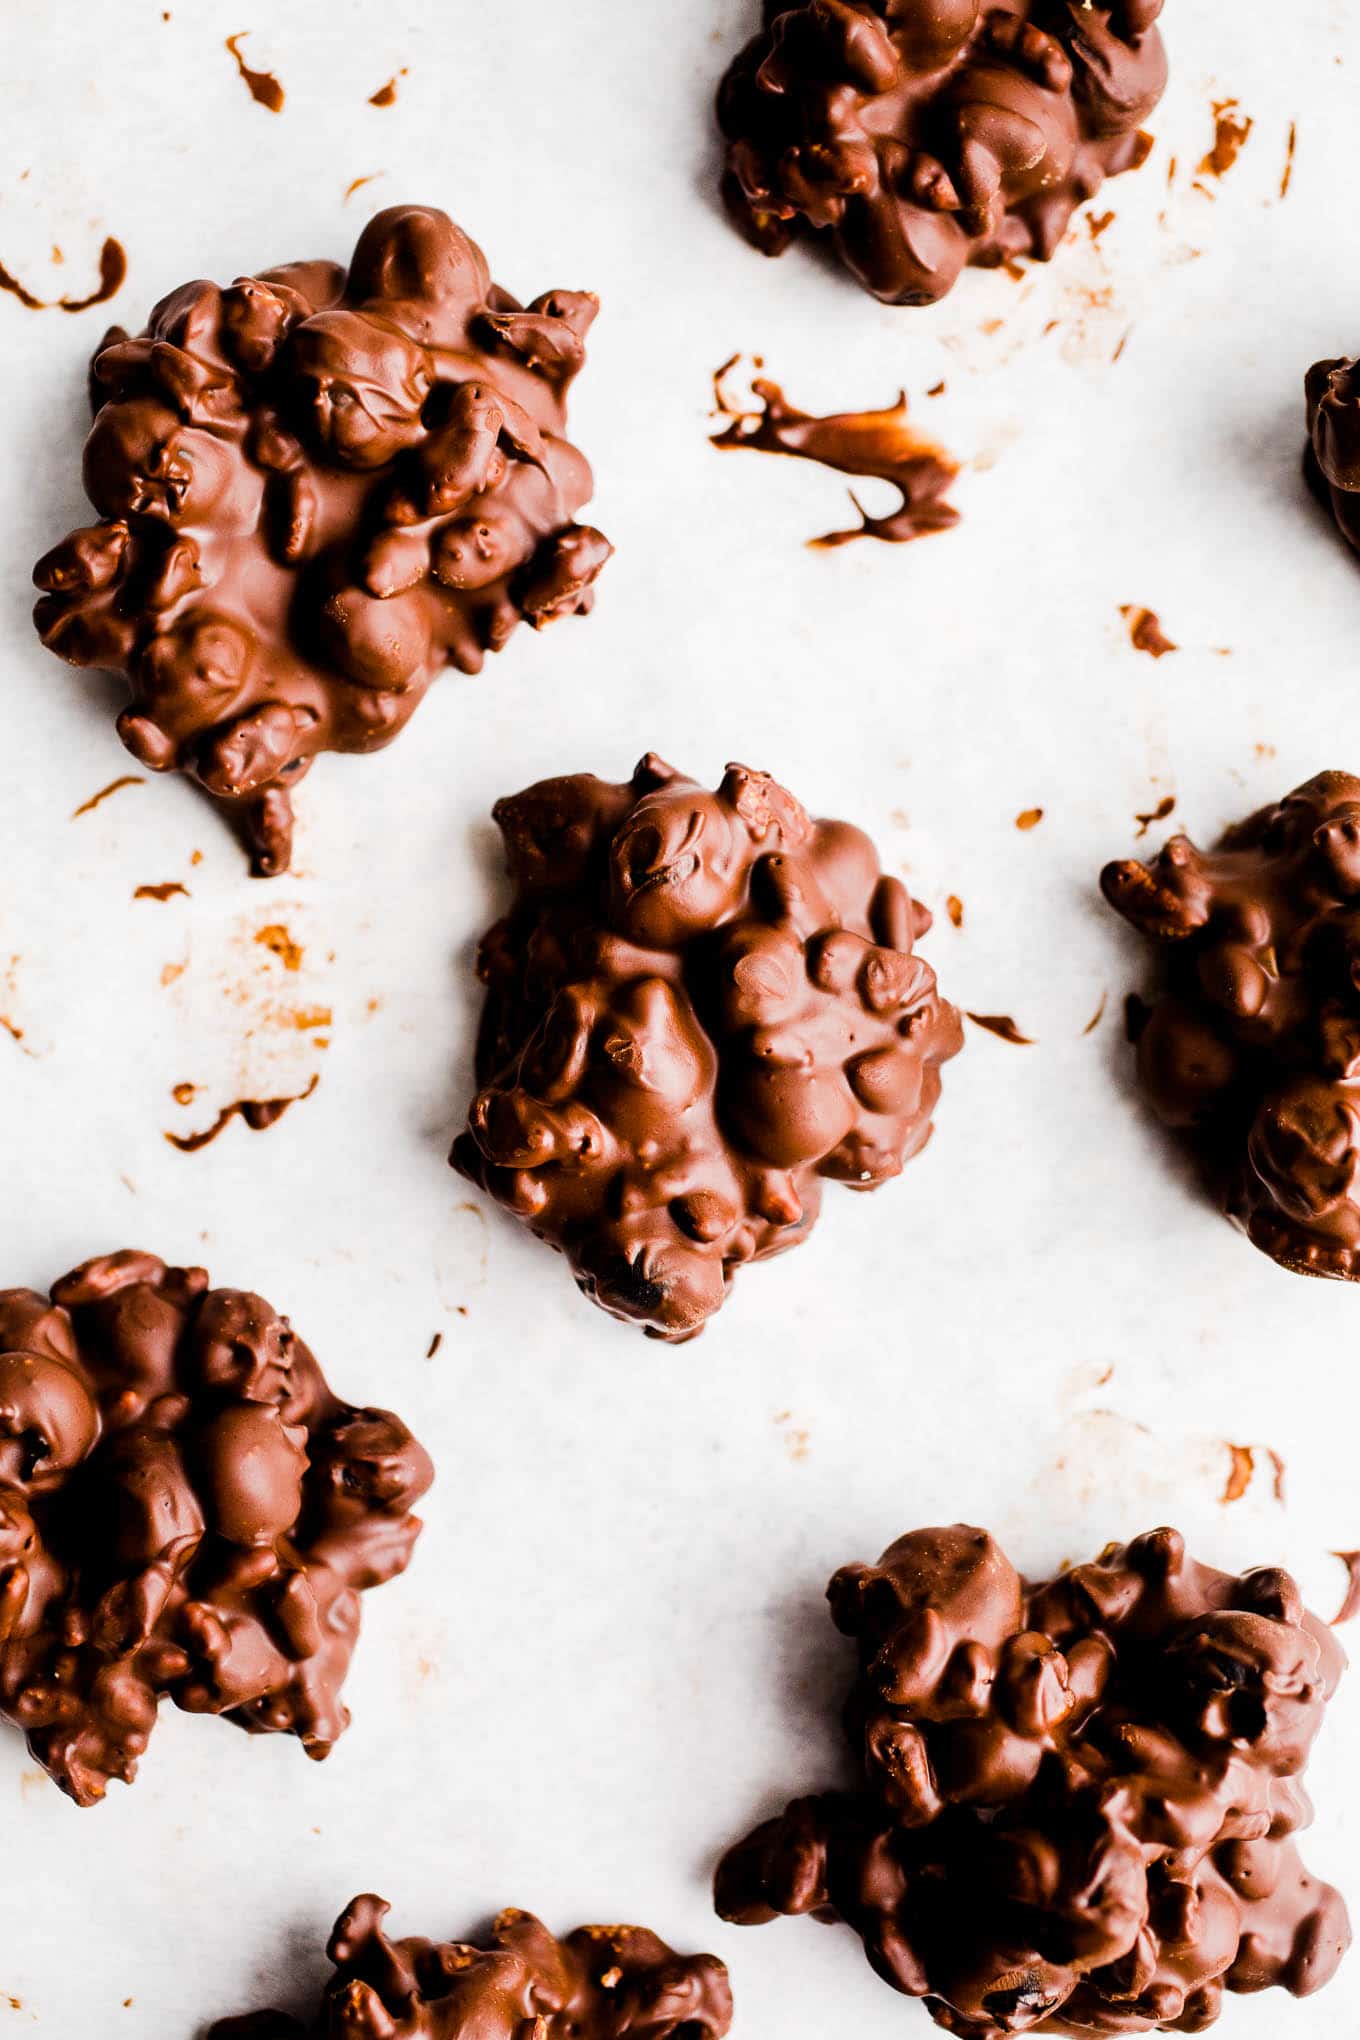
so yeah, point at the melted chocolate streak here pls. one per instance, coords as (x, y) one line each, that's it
(877, 444)
(259, 1115)
(112, 271)
(263, 87)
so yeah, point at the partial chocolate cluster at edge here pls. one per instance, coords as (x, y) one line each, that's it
(1331, 459)
(699, 1006)
(1077, 1798)
(317, 487)
(600, 1983)
(186, 1511)
(1252, 1050)
(916, 136)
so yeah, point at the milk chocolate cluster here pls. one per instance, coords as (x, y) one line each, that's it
(317, 488)
(1077, 1798)
(600, 1983)
(1253, 1050)
(921, 135)
(1332, 456)
(699, 1005)
(186, 1510)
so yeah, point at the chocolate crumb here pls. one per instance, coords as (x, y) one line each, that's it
(1029, 818)
(953, 906)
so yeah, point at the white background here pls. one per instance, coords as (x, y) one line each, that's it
(610, 1655)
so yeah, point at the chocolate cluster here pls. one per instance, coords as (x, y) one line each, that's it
(1077, 1798)
(317, 488)
(921, 135)
(600, 1983)
(186, 1510)
(699, 1005)
(1332, 458)
(1253, 1048)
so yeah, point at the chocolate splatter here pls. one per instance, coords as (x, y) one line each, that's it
(877, 444)
(953, 906)
(1157, 814)
(1029, 818)
(1098, 223)
(184, 1094)
(112, 271)
(165, 891)
(87, 806)
(1350, 1607)
(1145, 631)
(277, 939)
(1098, 1015)
(1002, 1025)
(386, 95)
(1231, 129)
(358, 183)
(263, 87)
(1278, 1471)
(1242, 1465)
(14, 1033)
(1288, 177)
(258, 1114)
(435, 1343)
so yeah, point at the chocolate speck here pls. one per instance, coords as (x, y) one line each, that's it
(1242, 1464)
(165, 891)
(1002, 1025)
(280, 943)
(1157, 814)
(1231, 129)
(435, 1343)
(953, 906)
(386, 95)
(258, 1114)
(184, 1094)
(263, 87)
(1098, 223)
(1029, 818)
(1288, 177)
(358, 183)
(1098, 1015)
(1145, 631)
(880, 445)
(87, 806)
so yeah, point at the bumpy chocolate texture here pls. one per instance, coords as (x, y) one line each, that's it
(1332, 456)
(1254, 1050)
(185, 1510)
(699, 1005)
(921, 135)
(318, 488)
(1077, 1797)
(600, 1983)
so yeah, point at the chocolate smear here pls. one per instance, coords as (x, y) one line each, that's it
(258, 1113)
(112, 272)
(1002, 1025)
(1231, 129)
(88, 806)
(881, 445)
(1145, 631)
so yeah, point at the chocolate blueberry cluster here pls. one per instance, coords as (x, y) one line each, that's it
(316, 488)
(1253, 1048)
(186, 1510)
(1331, 459)
(1077, 1798)
(699, 1006)
(921, 135)
(600, 1983)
